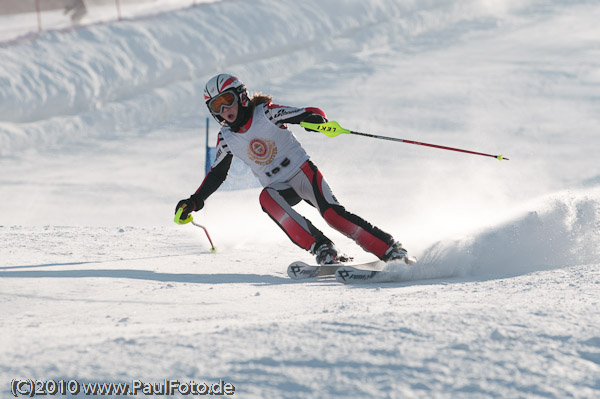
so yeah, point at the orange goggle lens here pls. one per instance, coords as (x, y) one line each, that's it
(222, 101)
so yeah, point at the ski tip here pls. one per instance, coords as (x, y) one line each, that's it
(301, 270)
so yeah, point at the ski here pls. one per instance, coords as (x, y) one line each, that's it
(353, 275)
(348, 274)
(302, 271)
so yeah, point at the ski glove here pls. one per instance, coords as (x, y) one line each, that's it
(189, 205)
(314, 118)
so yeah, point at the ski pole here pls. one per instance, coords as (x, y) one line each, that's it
(212, 246)
(190, 218)
(333, 129)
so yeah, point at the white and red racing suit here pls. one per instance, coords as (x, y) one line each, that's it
(283, 167)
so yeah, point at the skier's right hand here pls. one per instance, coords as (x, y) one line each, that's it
(189, 205)
(314, 118)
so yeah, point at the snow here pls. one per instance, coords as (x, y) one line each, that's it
(24, 26)
(102, 132)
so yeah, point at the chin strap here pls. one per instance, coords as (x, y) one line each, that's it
(244, 115)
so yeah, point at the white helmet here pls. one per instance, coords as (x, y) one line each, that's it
(221, 83)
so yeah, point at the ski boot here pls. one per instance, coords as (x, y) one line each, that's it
(327, 254)
(397, 253)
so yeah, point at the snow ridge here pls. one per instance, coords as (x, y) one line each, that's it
(563, 230)
(104, 78)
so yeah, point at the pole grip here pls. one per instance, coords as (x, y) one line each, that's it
(178, 217)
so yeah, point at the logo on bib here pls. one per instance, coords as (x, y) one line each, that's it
(262, 151)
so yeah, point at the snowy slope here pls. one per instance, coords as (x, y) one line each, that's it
(102, 132)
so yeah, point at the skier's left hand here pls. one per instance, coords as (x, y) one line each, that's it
(314, 118)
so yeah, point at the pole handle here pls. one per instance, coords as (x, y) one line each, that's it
(178, 217)
(329, 129)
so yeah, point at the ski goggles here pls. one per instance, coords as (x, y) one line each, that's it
(218, 104)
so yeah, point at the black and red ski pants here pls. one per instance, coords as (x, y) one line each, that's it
(308, 184)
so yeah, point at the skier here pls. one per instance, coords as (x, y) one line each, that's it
(254, 129)
(78, 9)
